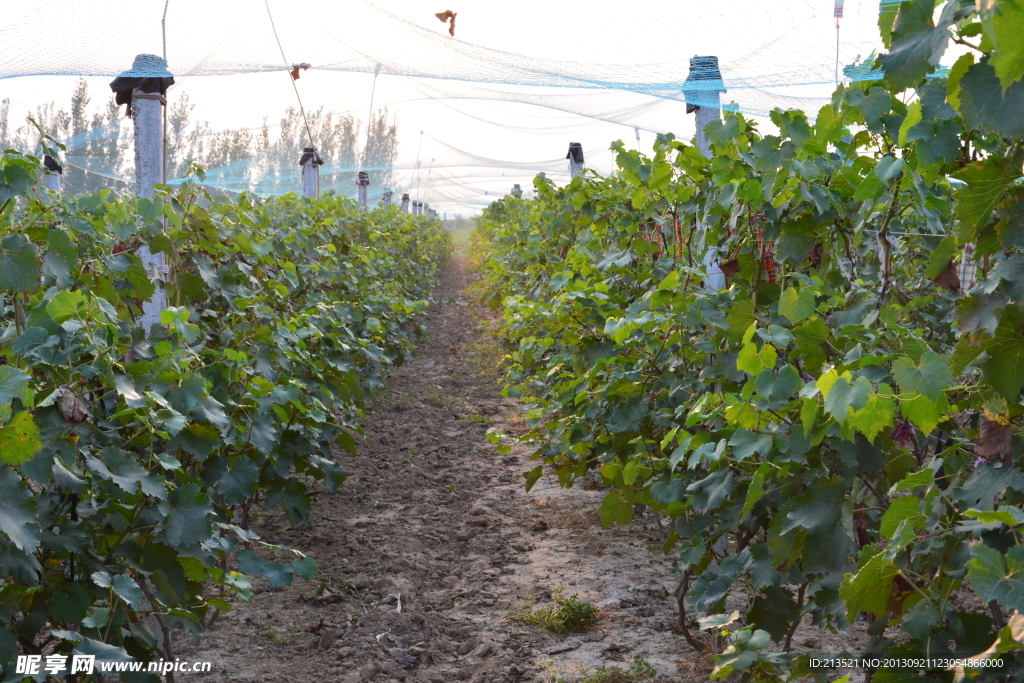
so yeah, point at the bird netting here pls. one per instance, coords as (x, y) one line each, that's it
(518, 107)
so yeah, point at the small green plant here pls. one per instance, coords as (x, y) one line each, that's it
(275, 636)
(640, 671)
(567, 614)
(474, 417)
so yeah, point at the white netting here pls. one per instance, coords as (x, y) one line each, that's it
(497, 110)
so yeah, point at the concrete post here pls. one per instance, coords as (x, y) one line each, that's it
(704, 98)
(405, 203)
(575, 157)
(147, 115)
(52, 172)
(386, 198)
(362, 184)
(703, 90)
(517, 190)
(310, 163)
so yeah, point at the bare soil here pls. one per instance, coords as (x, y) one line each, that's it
(433, 517)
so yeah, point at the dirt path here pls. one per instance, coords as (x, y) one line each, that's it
(431, 512)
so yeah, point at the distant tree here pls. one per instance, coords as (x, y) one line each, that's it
(381, 150)
(100, 154)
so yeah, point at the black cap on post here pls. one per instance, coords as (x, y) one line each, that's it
(575, 152)
(310, 155)
(52, 166)
(704, 77)
(148, 74)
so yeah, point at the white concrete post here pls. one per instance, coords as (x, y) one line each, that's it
(310, 163)
(575, 157)
(703, 90)
(704, 99)
(52, 172)
(386, 198)
(147, 115)
(52, 182)
(405, 203)
(362, 183)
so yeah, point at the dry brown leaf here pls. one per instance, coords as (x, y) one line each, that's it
(816, 254)
(446, 16)
(995, 441)
(948, 278)
(71, 407)
(730, 267)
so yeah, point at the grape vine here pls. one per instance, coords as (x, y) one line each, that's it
(836, 435)
(132, 458)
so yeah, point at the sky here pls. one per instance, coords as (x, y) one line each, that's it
(492, 103)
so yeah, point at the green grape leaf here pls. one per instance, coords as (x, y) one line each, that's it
(1004, 369)
(240, 482)
(756, 489)
(818, 509)
(66, 305)
(778, 387)
(124, 470)
(876, 415)
(985, 183)
(189, 516)
(127, 590)
(956, 74)
(995, 576)
(985, 483)
(774, 612)
(925, 477)
(709, 493)
(16, 177)
(61, 257)
(103, 652)
(304, 567)
(870, 588)
(938, 141)
(19, 439)
(13, 384)
(614, 508)
(985, 106)
(19, 265)
(1007, 514)
(928, 378)
(18, 512)
(901, 509)
(1007, 24)
(797, 304)
(747, 444)
(923, 412)
(940, 257)
(912, 119)
(844, 395)
(917, 44)
(665, 493)
(828, 125)
(138, 278)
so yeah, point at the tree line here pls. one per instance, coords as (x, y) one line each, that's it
(100, 154)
